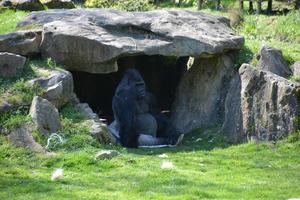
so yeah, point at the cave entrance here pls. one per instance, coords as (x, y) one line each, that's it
(161, 74)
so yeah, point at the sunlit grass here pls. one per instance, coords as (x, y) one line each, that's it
(9, 20)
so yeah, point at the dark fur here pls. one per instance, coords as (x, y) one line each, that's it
(124, 108)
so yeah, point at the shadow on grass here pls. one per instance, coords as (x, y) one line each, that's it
(200, 139)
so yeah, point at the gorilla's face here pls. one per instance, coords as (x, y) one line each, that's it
(137, 83)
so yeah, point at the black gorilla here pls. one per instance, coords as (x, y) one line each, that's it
(136, 113)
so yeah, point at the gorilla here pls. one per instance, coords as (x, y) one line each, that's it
(138, 121)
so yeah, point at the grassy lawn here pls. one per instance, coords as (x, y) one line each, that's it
(9, 20)
(204, 169)
(205, 166)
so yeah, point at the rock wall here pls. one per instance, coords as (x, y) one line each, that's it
(269, 104)
(200, 99)
(247, 104)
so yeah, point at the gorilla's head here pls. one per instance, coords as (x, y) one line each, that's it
(133, 80)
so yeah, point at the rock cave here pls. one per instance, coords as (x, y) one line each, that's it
(186, 58)
(161, 74)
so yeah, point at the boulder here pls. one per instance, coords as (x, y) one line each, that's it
(98, 129)
(271, 59)
(22, 137)
(200, 98)
(44, 115)
(69, 36)
(106, 154)
(232, 126)
(10, 64)
(265, 109)
(296, 69)
(25, 43)
(58, 86)
(5, 106)
(58, 4)
(28, 5)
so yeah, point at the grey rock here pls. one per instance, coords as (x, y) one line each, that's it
(69, 36)
(29, 5)
(296, 69)
(98, 129)
(58, 4)
(26, 43)
(232, 126)
(106, 154)
(201, 94)
(44, 115)
(271, 59)
(5, 106)
(269, 104)
(10, 64)
(58, 87)
(22, 137)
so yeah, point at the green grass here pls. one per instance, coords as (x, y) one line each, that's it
(282, 32)
(9, 20)
(203, 169)
(16, 92)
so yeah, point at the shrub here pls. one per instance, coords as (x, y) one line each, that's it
(133, 5)
(99, 3)
(127, 5)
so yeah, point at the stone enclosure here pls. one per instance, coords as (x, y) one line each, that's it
(187, 61)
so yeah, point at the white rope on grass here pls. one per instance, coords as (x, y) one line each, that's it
(57, 139)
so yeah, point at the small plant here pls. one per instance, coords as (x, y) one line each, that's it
(127, 5)
(21, 94)
(99, 3)
(294, 137)
(133, 5)
(51, 63)
(13, 119)
(294, 78)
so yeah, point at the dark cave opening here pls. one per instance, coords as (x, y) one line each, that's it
(161, 74)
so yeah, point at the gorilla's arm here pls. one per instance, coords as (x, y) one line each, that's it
(124, 112)
(164, 127)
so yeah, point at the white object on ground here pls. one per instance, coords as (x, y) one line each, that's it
(167, 165)
(106, 154)
(57, 138)
(163, 155)
(57, 174)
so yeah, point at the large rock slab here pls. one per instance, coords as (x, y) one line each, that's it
(44, 115)
(29, 5)
(271, 59)
(269, 104)
(201, 94)
(26, 43)
(265, 109)
(10, 64)
(92, 40)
